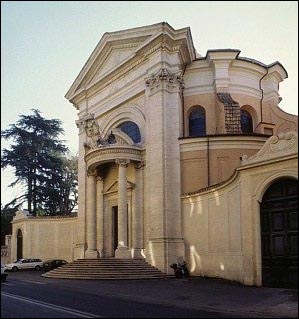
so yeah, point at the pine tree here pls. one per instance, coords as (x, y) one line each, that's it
(37, 157)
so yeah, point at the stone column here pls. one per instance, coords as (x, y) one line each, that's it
(100, 216)
(91, 251)
(122, 250)
(137, 212)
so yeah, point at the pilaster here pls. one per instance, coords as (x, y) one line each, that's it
(163, 109)
(137, 212)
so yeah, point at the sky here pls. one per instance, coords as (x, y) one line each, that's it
(44, 45)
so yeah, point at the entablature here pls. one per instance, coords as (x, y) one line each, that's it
(101, 155)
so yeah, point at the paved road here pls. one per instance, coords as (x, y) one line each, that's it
(15, 306)
(28, 295)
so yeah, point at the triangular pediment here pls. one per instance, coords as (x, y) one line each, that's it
(111, 52)
(115, 49)
(113, 55)
(115, 58)
(113, 187)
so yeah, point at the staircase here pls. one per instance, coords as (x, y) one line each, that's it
(106, 268)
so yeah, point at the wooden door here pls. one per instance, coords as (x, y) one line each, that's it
(279, 234)
(19, 244)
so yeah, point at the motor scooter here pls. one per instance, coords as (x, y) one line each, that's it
(184, 269)
(180, 270)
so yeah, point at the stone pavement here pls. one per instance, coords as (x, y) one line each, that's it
(209, 294)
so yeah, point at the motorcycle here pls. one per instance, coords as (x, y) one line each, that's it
(180, 270)
(185, 271)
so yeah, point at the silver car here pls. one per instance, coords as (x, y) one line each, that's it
(25, 263)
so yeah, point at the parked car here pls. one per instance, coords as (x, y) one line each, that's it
(28, 263)
(54, 263)
(3, 274)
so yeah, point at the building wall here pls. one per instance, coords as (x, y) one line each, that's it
(157, 88)
(209, 161)
(222, 225)
(151, 76)
(253, 85)
(44, 238)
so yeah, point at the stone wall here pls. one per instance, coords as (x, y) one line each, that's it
(221, 224)
(44, 237)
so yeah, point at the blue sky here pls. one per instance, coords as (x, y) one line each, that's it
(44, 45)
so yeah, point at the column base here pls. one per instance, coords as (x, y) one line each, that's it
(91, 254)
(164, 252)
(136, 253)
(102, 253)
(123, 253)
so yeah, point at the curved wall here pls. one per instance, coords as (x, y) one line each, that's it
(207, 161)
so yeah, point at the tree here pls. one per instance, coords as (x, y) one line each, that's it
(36, 155)
(7, 214)
(69, 185)
(62, 196)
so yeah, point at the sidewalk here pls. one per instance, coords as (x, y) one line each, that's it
(210, 294)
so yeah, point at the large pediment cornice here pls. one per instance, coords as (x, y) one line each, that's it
(119, 52)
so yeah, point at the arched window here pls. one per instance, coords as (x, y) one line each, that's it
(132, 130)
(246, 122)
(197, 122)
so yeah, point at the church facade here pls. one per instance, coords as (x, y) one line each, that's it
(180, 156)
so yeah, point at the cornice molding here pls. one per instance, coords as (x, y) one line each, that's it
(276, 146)
(99, 156)
(166, 38)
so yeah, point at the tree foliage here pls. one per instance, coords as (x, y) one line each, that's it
(39, 159)
(7, 215)
(62, 195)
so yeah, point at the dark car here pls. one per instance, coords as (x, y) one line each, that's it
(54, 263)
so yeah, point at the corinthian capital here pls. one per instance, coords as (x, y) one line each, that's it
(91, 172)
(165, 75)
(139, 165)
(122, 162)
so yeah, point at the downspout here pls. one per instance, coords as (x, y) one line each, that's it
(261, 100)
(183, 102)
(208, 159)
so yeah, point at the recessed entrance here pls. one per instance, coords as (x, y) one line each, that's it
(279, 234)
(114, 229)
(19, 244)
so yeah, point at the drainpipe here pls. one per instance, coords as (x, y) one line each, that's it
(261, 100)
(183, 103)
(208, 159)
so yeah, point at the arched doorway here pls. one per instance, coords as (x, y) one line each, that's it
(114, 229)
(279, 234)
(19, 244)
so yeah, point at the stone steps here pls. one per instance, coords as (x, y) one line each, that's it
(106, 268)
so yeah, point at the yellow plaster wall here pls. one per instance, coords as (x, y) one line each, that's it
(45, 238)
(221, 226)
